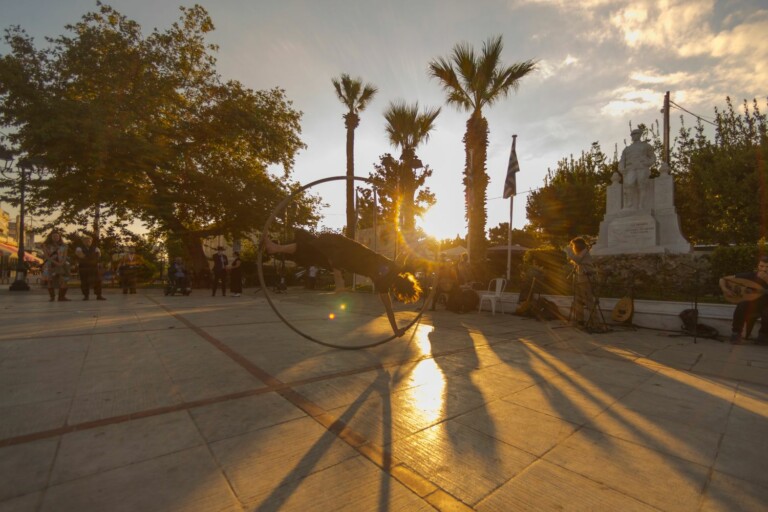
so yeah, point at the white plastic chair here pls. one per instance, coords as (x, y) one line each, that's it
(493, 295)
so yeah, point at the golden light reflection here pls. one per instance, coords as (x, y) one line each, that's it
(426, 400)
(420, 338)
(331, 316)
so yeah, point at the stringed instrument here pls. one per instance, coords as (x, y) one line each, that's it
(623, 310)
(742, 290)
(525, 308)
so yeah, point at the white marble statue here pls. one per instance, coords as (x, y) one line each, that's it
(640, 215)
(635, 168)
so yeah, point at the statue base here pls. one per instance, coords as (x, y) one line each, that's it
(640, 232)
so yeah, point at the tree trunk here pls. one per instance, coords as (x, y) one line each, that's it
(351, 121)
(476, 181)
(202, 271)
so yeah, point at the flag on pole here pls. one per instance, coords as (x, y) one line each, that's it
(510, 184)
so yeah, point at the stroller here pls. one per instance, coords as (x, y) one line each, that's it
(177, 282)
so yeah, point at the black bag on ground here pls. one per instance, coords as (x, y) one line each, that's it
(691, 326)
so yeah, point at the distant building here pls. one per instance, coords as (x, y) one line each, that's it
(5, 220)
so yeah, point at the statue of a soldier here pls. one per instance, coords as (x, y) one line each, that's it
(635, 168)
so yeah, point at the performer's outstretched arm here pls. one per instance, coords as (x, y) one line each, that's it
(387, 301)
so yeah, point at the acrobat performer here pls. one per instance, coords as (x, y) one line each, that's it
(337, 252)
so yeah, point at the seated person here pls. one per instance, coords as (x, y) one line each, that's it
(177, 274)
(747, 309)
(464, 272)
(447, 280)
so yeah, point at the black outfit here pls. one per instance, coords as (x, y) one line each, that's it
(331, 250)
(129, 274)
(751, 309)
(236, 277)
(220, 263)
(89, 272)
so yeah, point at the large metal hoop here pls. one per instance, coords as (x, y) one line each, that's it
(277, 210)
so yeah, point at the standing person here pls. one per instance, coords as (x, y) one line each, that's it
(220, 263)
(88, 255)
(337, 252)
(464, 271)
(750, 308)
(583, 270)
(236, 275)
(312, 277)
(56, 265)
(129, 269)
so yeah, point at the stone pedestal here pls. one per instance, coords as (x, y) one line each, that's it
(652, 228)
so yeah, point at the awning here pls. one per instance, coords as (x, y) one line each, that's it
(13, 251)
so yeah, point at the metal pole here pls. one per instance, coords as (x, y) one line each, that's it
(666, 128)
(509, 232)
(509, 237)
(20, 283)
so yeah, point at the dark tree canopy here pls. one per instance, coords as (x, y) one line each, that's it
(143, 128)
(721, 190)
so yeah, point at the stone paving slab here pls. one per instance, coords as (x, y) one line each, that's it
(146, 402)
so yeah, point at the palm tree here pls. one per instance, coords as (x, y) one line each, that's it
(355, 96)
(407, 129)
(471, 82)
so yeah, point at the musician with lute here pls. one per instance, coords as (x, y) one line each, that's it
(748, 290)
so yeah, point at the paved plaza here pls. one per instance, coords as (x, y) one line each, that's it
(152, 403)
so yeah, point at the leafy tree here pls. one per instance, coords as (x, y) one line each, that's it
(471, 82)
(406, 129)
(143, 128)
(355, 96)
(526, 237)
(721, 184)
(395, 179)
(572, 200)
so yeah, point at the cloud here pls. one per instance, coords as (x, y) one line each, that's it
(630, 100)
(654, 77)
(547, 68)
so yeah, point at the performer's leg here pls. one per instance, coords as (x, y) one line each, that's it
(275, 248)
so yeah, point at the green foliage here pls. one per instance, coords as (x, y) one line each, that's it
(526, 237)
(729, 260)
(721, 184)
(572, 200)
(143, 128)
(397, 184)
(407, 129)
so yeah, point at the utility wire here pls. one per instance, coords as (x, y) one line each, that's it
(694, 115)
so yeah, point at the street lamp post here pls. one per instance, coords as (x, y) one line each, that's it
(20, 281)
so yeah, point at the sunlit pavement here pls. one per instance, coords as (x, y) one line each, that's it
(200, 403)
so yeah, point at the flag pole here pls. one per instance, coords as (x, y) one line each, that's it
(510, 189)
(509, 231)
